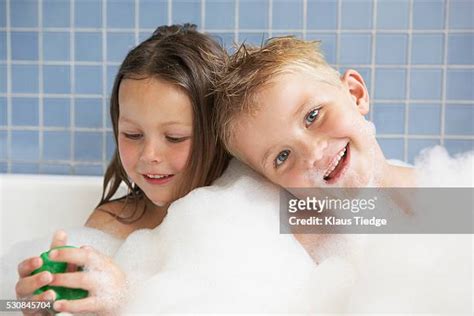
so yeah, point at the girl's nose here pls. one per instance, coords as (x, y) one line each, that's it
(151, 153)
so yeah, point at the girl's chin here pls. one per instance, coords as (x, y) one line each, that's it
(159, 203)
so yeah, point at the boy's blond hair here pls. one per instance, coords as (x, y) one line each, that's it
(251, 68)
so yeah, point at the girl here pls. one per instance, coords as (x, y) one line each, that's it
(162, 116)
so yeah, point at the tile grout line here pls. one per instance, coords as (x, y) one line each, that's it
(203, 16)
(41, 85)
(305, 18)
(9, 89)
(104, 80)
(408, 80)
(445, 70)
(270, 18)
(328, 31)
(170, 12)
(236, 21)
(338, 35)
(72, 107)
(372, 57)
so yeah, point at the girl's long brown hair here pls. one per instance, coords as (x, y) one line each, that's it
(193, 61)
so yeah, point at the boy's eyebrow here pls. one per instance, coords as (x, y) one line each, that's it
(304, 105)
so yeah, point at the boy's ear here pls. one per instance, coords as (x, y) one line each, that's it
(353, 81)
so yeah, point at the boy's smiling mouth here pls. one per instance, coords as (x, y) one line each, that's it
(337, 166)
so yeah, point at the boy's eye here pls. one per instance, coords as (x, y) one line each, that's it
(281, 158)
(176, 139)
(133, 136)
(311, 117)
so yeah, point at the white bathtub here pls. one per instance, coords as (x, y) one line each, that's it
(33, 206)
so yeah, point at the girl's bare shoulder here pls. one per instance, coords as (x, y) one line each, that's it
(104, 218)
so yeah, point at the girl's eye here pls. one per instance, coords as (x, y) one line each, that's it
(132, 136)
(281, 158)
(176, 139)
(311, 117)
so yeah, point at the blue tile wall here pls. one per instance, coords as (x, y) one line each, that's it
(322, 15)
(56, 46)
(390, 83)
(88, 146)
(25, 78)
(428, 15)
(391, 49)
(88, 13)
(24, 45)
(222, 13)
(393, 148)
(184, 11)
(355, 48)
(3, 46)
(3, 78)
(424, 119)
(25, 112)
(118, 45)
(120, 14)
(59, 58)
(57, 79)
(389, 118)
(459, 119)
(3, 111)
(393, 14)
(356, 14)
(3, 145)
(425, 84)
(56, 112)
(88, 46)
(459, 84)
(153, 13)
(57, 145)
(88, 113)
(56, 13)
(461, 48)
(460, 14)
(287, 14)
(25, 145)
(24, 13)
(88, 80)
(427, 49)
(3, 13)
(253, 14)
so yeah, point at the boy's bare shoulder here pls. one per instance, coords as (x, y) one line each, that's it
(104, 218)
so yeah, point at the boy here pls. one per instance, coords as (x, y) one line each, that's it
(288, 115)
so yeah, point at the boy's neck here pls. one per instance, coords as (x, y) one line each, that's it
(397, 176)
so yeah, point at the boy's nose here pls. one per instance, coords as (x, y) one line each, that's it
(151, 153)
(314, 153)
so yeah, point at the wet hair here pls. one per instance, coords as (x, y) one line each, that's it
(193, 61)
(252, 68)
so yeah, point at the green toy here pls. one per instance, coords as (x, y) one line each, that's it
(62, 293)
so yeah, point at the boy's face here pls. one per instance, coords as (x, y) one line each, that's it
(307, 133)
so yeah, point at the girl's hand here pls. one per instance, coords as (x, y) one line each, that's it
(28, 283)
(104, 280)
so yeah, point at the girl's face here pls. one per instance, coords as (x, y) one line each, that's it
(154, 135)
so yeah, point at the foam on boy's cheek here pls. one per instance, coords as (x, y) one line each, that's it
(315, 178)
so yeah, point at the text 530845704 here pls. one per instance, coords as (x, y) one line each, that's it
(19, 305)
